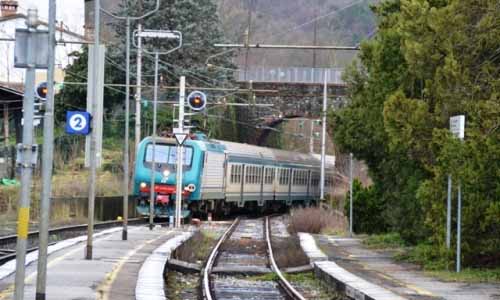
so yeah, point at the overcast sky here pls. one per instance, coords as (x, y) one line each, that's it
(71, 12)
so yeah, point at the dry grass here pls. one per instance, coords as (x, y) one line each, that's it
(288, 252)
(317, 220)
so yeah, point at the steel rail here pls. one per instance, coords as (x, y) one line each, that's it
(207, 294)
(283, 282)
(11, 239)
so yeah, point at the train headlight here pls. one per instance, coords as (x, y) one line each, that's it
(191, 187)
(143, 185)
(166, 173)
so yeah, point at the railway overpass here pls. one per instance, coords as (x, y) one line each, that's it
(300, 91)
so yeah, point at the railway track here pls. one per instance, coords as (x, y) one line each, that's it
(8, 243)
(245, 245)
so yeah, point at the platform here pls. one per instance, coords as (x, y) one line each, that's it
(403, 279)
(112, 274)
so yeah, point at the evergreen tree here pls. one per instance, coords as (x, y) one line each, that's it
(430, 60)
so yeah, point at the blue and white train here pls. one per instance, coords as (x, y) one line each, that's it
(219, 176)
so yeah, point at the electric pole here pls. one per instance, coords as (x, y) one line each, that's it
(26, 152)
(47, 159)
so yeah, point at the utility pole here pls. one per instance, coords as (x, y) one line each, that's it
(138, 96)
(350, 192)
(126, 138)
(153, 156)
(315, 36)
(93, 134)
(47, 159)
(248, 35)
(459, 228)
(448, 215)
(126, 147)
(180, 154)
(27, 152)
(323, 138)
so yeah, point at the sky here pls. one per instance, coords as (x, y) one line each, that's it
(71, 12)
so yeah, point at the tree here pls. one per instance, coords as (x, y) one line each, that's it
(431, 59)
(199, 23)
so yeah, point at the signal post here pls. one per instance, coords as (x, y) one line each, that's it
(197, 101)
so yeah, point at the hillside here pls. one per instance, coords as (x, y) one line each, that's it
(291, 22)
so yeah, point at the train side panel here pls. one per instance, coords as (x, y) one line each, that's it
(212, 181)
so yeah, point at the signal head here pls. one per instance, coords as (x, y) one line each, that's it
(197, 101)
(42, 90)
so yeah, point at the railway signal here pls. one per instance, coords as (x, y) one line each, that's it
(42, 91)
(197, 101)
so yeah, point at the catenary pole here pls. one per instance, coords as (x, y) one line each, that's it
(153, 158)
(93, 134)
(323, 139)
(448, 215)
(26, 151)
(47, 159)
(459, 228)
(127, 111)
(138, 96)
(350, 192)
(126, 138)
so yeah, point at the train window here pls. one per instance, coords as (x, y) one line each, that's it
(167, 154)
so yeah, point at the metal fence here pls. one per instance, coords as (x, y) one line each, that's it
(291, 75)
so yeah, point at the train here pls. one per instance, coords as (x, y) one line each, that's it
(220, 177)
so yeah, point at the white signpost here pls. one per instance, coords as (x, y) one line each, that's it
(457, 128)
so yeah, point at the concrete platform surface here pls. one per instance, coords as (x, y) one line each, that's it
(401, 278)
(112, 274)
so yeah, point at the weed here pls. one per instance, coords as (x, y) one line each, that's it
(288, 252)
(384, 241)
(469, 275)
(317, 220)
(197, 248)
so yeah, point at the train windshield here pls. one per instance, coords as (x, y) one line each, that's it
(167, 154)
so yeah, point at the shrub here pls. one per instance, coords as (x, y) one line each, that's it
(317, 220)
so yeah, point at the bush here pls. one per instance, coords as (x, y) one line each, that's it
(367, 210)
(317, 220)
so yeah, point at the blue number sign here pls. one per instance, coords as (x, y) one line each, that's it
(77, 122)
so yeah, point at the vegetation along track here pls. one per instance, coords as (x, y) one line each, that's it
(245, 247)
(8, 243)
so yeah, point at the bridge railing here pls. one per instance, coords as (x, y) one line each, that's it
(291, 75)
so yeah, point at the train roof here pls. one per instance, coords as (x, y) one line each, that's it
(276, 155)
(239, 150)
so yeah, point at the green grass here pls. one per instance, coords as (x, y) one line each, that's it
(384, 241)
(468, 275)
(433, 262)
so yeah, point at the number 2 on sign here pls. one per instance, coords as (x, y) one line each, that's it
(78, 122)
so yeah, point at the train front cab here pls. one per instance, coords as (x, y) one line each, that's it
(165, 176)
